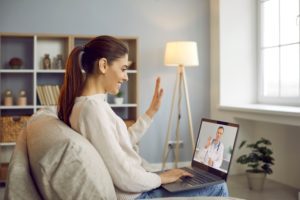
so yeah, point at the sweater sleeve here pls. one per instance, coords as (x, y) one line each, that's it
(137, 130)
(100, 129)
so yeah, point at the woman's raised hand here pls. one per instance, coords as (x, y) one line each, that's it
(156, 99)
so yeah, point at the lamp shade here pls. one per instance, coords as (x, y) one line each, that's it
(181, 53)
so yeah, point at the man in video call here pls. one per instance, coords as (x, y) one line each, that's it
(212, 153)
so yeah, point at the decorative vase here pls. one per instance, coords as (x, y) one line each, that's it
(46, 62)
(22, 100)
(118, 100)
(59, 62)
(8, 98)
(256, 180)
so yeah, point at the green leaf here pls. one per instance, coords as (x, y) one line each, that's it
(242, 144)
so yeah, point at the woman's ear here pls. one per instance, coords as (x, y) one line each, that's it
(102, 66)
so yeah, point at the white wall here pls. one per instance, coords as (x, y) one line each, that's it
(238, 38)
(233, 81)
(155, 22)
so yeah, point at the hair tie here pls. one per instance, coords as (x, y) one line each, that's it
(80, 56)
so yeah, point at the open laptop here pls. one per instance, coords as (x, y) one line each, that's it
(212, 156)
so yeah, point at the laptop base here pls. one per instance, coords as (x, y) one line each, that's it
(180, 186)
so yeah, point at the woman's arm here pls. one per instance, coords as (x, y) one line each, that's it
(137, 130)
(123, 164)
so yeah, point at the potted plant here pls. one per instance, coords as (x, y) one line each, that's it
(258, 161)
(119, 98)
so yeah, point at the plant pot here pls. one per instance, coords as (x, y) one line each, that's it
(256, 180)
(118, 100)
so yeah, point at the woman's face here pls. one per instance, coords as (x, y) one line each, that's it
(116, 75)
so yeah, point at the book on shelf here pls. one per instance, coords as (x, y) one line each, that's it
(48, 94)
(41, 95)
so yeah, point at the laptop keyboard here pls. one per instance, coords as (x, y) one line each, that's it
(197, 177)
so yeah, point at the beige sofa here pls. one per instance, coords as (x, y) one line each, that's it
(63, 164)
(51, 161)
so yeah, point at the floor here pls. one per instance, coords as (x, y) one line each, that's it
(237, 186)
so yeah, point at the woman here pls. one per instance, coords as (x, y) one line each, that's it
(83, 106)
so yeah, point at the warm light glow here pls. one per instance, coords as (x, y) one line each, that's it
(181, 53)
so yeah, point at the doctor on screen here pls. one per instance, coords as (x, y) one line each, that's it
(212, 153)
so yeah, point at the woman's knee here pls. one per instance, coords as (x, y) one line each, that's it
(224, 190)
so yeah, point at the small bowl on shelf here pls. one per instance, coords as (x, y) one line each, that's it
(15, 63)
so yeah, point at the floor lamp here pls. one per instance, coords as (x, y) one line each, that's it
(180, 55)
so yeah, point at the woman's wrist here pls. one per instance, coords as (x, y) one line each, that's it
(150, 113)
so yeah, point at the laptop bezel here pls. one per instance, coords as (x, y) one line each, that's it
(216, 172)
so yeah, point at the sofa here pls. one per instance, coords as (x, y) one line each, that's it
(52, 161)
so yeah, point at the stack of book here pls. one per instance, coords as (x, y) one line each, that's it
(48, 94)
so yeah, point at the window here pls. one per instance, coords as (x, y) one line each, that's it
(279, 52)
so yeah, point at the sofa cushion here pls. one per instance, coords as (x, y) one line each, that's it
(20, 184)
(64, 164)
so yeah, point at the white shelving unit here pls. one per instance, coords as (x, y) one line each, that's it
(7, 144)
(31, 48)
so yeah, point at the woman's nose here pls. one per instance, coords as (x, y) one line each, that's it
(125, 77)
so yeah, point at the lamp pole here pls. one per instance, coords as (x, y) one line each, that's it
(178, 87)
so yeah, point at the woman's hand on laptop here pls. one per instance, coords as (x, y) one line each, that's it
(173, 175)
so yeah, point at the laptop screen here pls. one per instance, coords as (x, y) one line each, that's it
(215, 144)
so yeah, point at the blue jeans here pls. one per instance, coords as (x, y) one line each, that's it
(214, 190)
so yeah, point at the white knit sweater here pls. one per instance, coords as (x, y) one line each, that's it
(93, 117)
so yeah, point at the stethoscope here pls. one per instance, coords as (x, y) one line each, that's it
(218, 146)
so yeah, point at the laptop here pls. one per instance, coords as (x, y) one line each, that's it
(212, 156)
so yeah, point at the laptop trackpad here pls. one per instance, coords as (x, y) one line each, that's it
(180, 185)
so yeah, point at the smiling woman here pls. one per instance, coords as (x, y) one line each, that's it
(83, 106)
(104, 59)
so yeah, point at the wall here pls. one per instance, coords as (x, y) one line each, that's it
(238, 43)
(155, 22)
(226, 29)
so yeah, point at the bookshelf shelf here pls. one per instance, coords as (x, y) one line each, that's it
(131, 71)
(7, 144)
(16, 71)
(50, 71)
(16, 107)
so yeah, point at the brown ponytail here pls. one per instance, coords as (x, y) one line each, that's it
(84, 58)
(72, 86)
